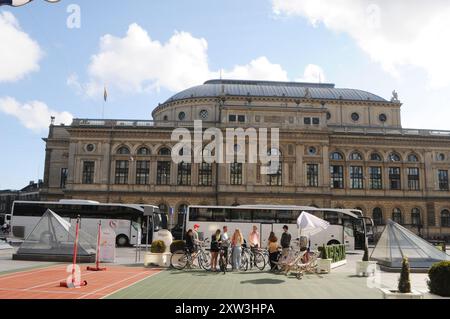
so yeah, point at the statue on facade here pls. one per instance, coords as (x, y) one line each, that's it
(394, 97)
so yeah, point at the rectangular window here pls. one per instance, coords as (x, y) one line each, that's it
(205, 174)
(395, 178)
(88, 172)
(63, 181)
(163, 173)
(316, 120)
(443, 180)
(307, 120)
(277, 178)
(356, 177)
(184, 174)
(121, 172)
(375, 178)
(142, 172)
(236, 173)
(231, 118)
(312, 175)
(241, 118)
(337, 176)
(431, 219)
(413, 179)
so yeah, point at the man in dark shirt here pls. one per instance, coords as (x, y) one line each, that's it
(285, 241)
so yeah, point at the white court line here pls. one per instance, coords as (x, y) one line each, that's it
(110, 285)
(26, 272)
(41, 291)
(134, 283)
(51, 282)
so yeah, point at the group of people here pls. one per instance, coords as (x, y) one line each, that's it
(221, 240)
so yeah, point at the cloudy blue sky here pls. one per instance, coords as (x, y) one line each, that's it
(145, 51)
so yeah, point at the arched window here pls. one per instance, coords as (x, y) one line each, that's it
(356, 156)
(377, 216)
(412, 158)
(445, 218)
(336, 156)
(143, 151)
(164, 151)
(123, 150)
(394, 157)
(376, 157)
(397, 216)
(415, 217)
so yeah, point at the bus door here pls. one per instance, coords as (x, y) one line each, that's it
(265, 230)
(359, 231)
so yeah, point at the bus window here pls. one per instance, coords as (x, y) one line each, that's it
(238, 215)
(331, 217)
(219, 215)
(287, 217)
(200, 214)
(264, 216)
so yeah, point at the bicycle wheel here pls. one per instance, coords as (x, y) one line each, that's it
(259, 261)
(204, 260)
(179, 260)
(244, 262)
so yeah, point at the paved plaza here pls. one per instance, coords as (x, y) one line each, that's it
(199, 284)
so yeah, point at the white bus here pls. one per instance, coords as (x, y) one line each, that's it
(347, 226)
(125, 219)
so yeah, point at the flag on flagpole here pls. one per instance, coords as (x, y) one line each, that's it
(105, 94)
(18, 3)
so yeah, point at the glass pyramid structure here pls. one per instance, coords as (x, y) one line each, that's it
(53, 238)
(397, 242)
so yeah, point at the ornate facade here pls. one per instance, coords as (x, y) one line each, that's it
(339, 148)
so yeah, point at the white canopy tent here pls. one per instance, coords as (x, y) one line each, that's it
(309, 224)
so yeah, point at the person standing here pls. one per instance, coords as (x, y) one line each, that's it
(225, 242)
(273, 251)
(215, 243)
(236, 244)
(253, 238)
(285, 241)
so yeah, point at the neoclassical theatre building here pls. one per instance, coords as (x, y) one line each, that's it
(339, 148)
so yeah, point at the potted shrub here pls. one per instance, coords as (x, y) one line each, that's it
(439, 279)
(157, 255)
(324, 263)
(404, 290)
(365, 267)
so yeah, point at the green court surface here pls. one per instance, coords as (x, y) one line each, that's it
(197, 284)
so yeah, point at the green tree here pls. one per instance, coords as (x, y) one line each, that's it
(404, 284)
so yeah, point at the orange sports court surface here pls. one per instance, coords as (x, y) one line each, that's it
(44, 283)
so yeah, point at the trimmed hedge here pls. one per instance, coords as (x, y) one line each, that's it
(177, 245)
(335, 252)
(158, 247)
(439, 282)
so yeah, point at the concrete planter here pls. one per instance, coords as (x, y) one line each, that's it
(366, 268)
(324, 265)
(160, 260)
(394, 294)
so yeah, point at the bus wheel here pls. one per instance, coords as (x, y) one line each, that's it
(122, 241)
(333, 242)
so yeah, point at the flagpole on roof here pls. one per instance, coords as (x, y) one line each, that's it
(105, 98)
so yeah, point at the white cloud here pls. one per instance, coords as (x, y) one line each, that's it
(313, 73)
(393, 33)
(19, 54)
(34, 115)
(136, 63)
(258, 69)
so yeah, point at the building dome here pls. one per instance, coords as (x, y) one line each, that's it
(270, 89)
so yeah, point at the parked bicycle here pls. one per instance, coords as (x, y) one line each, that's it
(255, 258)
(182, 259)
